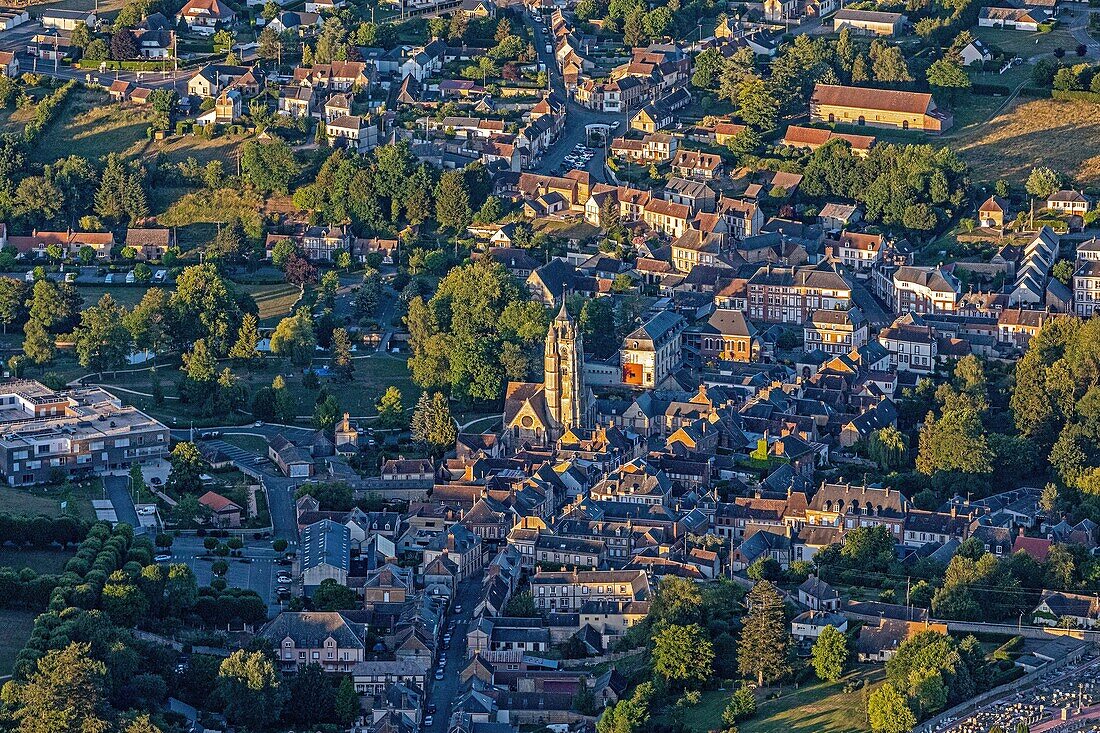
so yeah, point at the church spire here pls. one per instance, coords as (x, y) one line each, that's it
(563, 314)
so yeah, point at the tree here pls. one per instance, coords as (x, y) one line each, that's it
(634, 28)
(758, 107)
(432, 423)
(742, 706)
(65, 694)
(342, 362)
(187, 468)
(889, 712)
(269, 166)
(294, 338)
(683, 654)
(102, 341)
(282, 252)
(888, 447)
(249, 687)
(244, 351)
(830, 654)
(765, 640)
(199, 365)
(346, 706)
(38, 344)
(391, 413)
(452, 201)
(13, 293)
(521, 605)
(270, 42)
(955, 441)
(123, 45)
(946, 73)
(205, 306)
(1042, 182)
(331, 596)
(708, 69)
(326, 413)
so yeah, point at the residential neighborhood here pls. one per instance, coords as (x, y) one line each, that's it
(567, 366)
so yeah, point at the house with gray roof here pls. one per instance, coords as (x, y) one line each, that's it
(325, 638)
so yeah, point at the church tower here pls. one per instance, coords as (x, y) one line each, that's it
(563, 380)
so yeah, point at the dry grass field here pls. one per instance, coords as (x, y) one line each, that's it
(1061, 135)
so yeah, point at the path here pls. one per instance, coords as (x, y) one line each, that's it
(118, 491)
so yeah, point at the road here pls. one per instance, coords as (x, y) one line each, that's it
(875, 313)
(118, 491)
(576, 116)
(443, 692)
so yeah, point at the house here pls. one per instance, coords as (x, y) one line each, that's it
(225, 512)
(325, 638)
(878, 640)
(9, 64)
(858, 251)
(974, 52)
(808, 625)
(694, 164)
(835, 332)
(298, 101)
(836, 216)
(652, 353)
(870, 22)
(150, 244)
(228, 106)
(993, 212)
(877, 108)
(848, 506)
(1020, 19)
(205, 16)
(323, 6)
(67, 20)
(36, 245)
(1056, 608)
(569, 591)
(1070, 202)
(724, 132)
(324, 553)
(666, 216)
(1086, 288)
(791, 294)
(293, 461)
(726, 335)
(813, 138)
(924, 290)
(912, 344)
(352, 132)
(817, 595)
(655, 147)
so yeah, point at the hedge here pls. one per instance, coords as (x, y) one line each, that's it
(45, 112)
(125, 65)
(991, 89)
(1066, 96)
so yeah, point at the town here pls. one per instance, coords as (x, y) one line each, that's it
(550, 366)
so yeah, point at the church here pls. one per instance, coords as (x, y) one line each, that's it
(538, 414)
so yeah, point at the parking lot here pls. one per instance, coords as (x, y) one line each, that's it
(257, 570)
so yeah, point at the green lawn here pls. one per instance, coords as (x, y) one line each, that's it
(275, 301)
(127, 295)
(40, 561)
(91, 123)
(47, 500)
(253, 443)
(17, 626)
(1025, 44)
(817, 708)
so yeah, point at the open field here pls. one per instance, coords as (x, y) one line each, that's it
(47, 500)
(17, 625)
(275, 301)
(89, 122)
(203, 149)
(1025, 45)
(817, 708)
(40, 561)
(1061, 135)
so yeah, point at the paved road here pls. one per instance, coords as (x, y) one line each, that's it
(118, 491)
(872, 309)
(442, 692)
(576, 116)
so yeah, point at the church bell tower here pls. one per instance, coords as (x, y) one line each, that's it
(563, 380)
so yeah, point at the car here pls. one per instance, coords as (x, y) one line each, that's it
(258, 424)
(156, 481)
(446, 638)
(458, 608)
(428, 721)
(431, 709)
(282, 561)
(439, 674)
(283, 578)
(283, 590)
(146, 511)
(162, 558)
(245, 560)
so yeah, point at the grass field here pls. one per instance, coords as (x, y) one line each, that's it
(128, 296)
(1025, 45)
(47, 500)
(817, 708)
(275, 301)
(253, 443)
(1061, 135)
(202, 149)
(17, 626)
(89, 122)
(40, 561)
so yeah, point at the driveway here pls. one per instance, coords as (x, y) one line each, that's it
(118, 491)
(442, 692)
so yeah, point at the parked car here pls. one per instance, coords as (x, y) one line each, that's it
(162, 558)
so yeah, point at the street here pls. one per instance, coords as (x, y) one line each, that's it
(442, 692)
(576, 116)
(872, 309)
